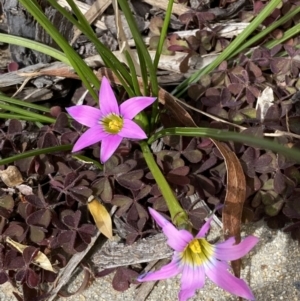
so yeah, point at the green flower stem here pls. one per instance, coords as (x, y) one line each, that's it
(290, 153)
(23, 103)
(178, 215)
(36, 152)
(232, 47)
(26, 113)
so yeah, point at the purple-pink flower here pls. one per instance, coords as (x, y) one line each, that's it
(111, 123)
(195, 257)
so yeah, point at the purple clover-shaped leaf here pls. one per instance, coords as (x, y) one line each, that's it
(123, 278)
(27, 274)
(131, 180)
(77, 237)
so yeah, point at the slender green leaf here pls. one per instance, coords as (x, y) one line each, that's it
(291, 32)
(81, 18)
(36, 152)
(228, 136)
(108, 57)
(88, 160)
(144, 72)
(266, 31)
(225, 54)
(23, 103)
(163, 33)
(15, 116)
(140, 45)
(9, 39)
(25, 113)
(85, 73)
(135, 82)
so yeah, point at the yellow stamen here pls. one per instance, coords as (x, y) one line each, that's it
(115, 125)
(112, 123)
(195, 246)
(197, 252)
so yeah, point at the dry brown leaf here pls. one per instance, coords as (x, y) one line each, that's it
(40, 259)
(101, 217)
(234, 199)
(11, 176)
(264, 101)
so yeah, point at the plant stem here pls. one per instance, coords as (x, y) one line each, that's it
(178, 215)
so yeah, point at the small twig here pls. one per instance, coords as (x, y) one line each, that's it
(277, 133)
(210, 115)
(83, 8)
(22, 86)
(66, 273)
(94, 12)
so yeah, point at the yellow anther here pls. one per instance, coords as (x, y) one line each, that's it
(115, 125)
(112, 124)
(195, 246)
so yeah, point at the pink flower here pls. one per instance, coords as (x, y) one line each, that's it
(111, 123)
(195, 257)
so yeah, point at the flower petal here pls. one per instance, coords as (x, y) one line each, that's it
(218, 273)
(89, 137)
(228, 251)
(109, 146)
(204, 229)
(177, 239)
(131, 130)
(192, 278)
(107, 99)
(167, 271)
(131, 107)
(85, 115)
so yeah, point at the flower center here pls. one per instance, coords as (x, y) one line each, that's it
(198, 251)
(112, 123)
(195, 246)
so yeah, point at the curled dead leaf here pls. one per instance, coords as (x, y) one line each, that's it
(101, 217)
(40, 259)
(234, 199)
(11, 176)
